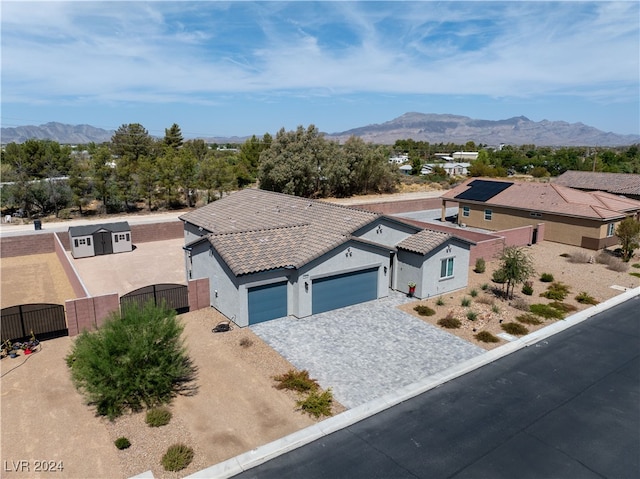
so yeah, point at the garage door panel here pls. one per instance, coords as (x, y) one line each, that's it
(267, 302)
(343, 290)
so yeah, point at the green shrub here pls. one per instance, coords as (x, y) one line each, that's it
(480, 265)
(177, 457)
(585, 298)
(564, 307)
(495, 308)
(466, 302)
(636, 265)
(472, 315)
(486, 337)
(424, 310)
(317, 404)
(528, 318)
(516, 329)
(546, 277)
(136, 359)
(122, 443)
(484, 286)
(158, 416)
(546, 311)
(473, 293)
(527, 288)
(637, 275)
(64, 214)
(296, 381)
(440, 301)
(449, 322)
(499, 276)
(557, 291)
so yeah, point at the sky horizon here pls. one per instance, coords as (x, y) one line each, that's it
(245, 68)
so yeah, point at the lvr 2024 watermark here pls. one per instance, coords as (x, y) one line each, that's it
(26, 465)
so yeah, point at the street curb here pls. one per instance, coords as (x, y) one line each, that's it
(262, 454)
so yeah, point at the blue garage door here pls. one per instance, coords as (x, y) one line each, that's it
(344, 289)
(267, 302)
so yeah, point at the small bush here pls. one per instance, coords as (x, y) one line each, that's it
(564, 307)
(485, 300)
(177, 457)
(484, 287)
(618, 265)
(296, 381)
(546, 311)
(317, 404)
(585, 298)
(520, 304)
(580, 257)
(449, 322)
(546, 277)
(158, 416)
(122, 443)
(472, 315)
(603, 257)
(246, 342)
(473, 293)
(637, 275)
(516, 329)
(480, 265)
(495, 308)
(64, 214)
(636, 265)
(440, 301)
(499, 276)
(424, 310)
(486, 337)
(556, 291)
(528, 318)
(527, 288)
(466, 302)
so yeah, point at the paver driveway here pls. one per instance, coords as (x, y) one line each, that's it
(367, 350)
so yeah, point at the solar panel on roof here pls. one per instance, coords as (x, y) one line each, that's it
(482, 190)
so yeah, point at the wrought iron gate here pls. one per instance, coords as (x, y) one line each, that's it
(46, 321)
(174, 296)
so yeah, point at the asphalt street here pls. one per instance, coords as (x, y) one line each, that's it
(565, 407)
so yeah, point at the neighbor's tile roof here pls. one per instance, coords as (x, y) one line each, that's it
(256, 230)
(424, 241)
(618, 183)
(557, 199)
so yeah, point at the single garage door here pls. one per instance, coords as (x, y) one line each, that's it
(267, 302)
(343, 290)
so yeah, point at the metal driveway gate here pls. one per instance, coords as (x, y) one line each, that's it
(343, 290)
(47, 321)
(174, 296)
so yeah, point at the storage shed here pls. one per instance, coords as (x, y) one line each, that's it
(94, 240)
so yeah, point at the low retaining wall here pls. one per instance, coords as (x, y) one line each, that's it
(72, 275)
(402, 206)
(40, 243)
(89, 313)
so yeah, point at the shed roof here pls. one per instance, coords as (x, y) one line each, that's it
(88, 230)
(547, 197)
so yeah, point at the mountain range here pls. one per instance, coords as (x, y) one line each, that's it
(434, 128)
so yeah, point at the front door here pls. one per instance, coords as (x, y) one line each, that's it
(102, 243)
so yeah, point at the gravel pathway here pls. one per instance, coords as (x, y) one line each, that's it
(367, 350)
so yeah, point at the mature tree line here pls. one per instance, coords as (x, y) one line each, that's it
(43, 177)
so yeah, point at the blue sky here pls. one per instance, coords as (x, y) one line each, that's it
(243, 68)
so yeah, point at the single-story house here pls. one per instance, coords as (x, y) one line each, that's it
(452, 168)
(106, 238)
(570, 216)
(465, 155)
(269, 255)
(399, 159)
(626, 184)
(406, 169)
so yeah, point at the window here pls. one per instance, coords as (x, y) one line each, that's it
(610, 229)
(487, 215)
(446, 268)
(465, 211)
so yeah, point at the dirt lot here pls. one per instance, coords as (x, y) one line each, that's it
(37, 278)
(491, 311)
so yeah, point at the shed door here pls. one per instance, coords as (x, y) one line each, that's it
(343, 290)
(267, 302)
(102, 243)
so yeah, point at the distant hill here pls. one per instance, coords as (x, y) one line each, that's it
(67, 134)
(434, 128)
(460, 129)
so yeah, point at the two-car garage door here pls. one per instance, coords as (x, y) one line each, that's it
(342, 290)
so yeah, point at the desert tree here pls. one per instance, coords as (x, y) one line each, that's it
(628, 232)
(515, 267)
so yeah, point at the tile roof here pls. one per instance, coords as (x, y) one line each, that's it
(256, 230)
(618, 183)
(424, 241)
(554, 198)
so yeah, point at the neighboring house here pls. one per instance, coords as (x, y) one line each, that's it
(94, 240)
(569, 216)
(465, 155)
(625, 184)
(406, 169)
(452, 168)
(399, 159)
(269, 255)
